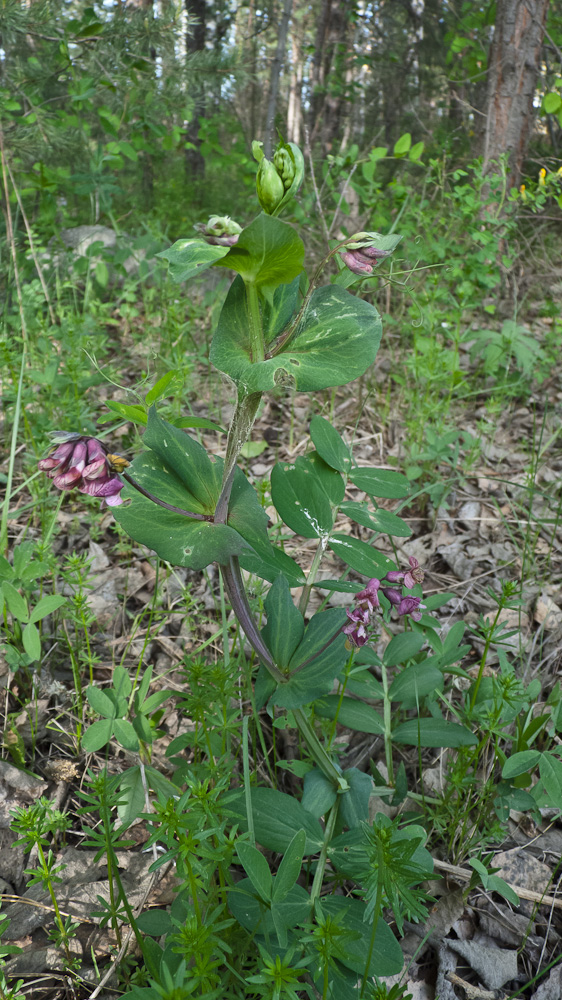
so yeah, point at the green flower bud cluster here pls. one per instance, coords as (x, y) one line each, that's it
(278, 180)
(285, 167)
(220, 230)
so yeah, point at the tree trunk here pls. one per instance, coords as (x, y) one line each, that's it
(195, 42)
(275, 74)
(294, 109)
(513, 67)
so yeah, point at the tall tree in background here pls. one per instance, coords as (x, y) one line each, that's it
(195, 42)
(513, 68)
(274, 76)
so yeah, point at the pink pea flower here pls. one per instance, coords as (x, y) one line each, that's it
(82, 463)
(369, 596)
(409, 577)
(356, 628)
(410, 606)
(393, 595)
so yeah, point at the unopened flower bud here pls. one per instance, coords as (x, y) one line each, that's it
(374, 253)
(356, 262)
(220, 231)
(284, 166)
(270, 186)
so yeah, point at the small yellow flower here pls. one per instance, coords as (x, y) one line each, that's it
(542, 175)
(522, 192)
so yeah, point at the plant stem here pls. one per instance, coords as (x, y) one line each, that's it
(311, 578)
(387, 726)
(376, 917)
(257, 346)
(237, 596)
(321, 865)
(242, 422)
(484, 658)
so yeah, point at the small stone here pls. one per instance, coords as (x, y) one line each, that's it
(469, 515)
(547, 613)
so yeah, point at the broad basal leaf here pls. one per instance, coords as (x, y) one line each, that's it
(337, 340)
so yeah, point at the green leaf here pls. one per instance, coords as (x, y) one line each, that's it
(268, 253)
(550, 769)
(252, 914)
(101, 702)
(330, 480)
(256, 868)
(415, 682)
(520, 763)
(402, 647)
(290, 867)
(352, 714)
(329, 445)
(201, 422)
(131, 411)
(277, 817)
(308, 682)
(318, 794)
(32, 641)
(191, 256)
(178, 471)
(380, 482)
(403, 144)
(125, 734)
(278, 309)
(363, 558)
(159, 388)
(383, 521)
(416, 151)
(101, 273)
(299, 498)
(17, 605)
(386, 958)
(268, 562)
(354, 804)
(433, 733)
(132, 798)
(285, 624)
(155, 923)
(46, 606)
(336, 341)
(97, 735)
(551, 103)
(362, 684)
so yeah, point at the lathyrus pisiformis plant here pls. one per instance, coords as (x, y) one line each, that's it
(278, 328)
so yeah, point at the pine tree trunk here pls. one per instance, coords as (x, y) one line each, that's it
(275, 74)
(195, 42)
(513, 67)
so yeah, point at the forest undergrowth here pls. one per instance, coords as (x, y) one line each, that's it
(384, 818)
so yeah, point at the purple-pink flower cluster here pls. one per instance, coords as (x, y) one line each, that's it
(367, 601)
(82, 463)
